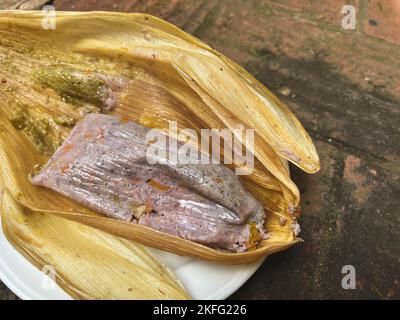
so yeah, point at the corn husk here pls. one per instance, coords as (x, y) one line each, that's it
(167, 75)
(88, 263)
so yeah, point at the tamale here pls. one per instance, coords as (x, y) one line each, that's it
(142, 68)
(103, 164)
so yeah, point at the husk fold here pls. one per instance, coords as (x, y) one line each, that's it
(88, 263)
(158, 73)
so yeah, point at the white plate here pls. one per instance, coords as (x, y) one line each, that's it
(203, 280)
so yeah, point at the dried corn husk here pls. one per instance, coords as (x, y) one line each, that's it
(159, 73)
(89, 264)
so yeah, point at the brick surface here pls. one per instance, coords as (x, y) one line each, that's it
(23, 4)
(345, 88)
(188, 15)
(384, 20)
(328, 10)
(5, 4)
(6, 294)
(163, 8)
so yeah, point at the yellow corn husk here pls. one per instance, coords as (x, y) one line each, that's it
(89, 264)
(167, 75)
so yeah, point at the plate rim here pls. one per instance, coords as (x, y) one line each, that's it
(26, 291)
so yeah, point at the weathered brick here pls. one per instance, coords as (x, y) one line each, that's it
(162, 8)
(384, 20)
(5, 4)
(6, 294)
(361, 188)
(185, 14)
(328, 10)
